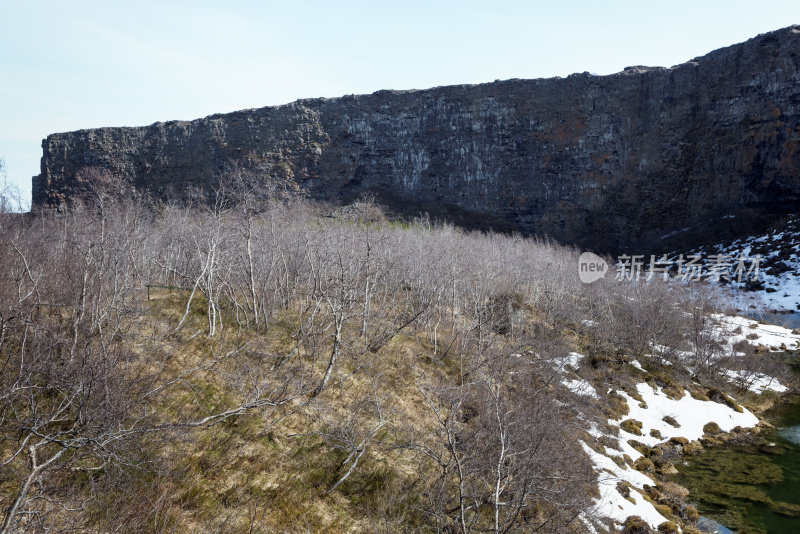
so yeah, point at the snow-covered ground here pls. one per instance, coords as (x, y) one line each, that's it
(691, 416)
(580, 387)
(772, 337)
(662, 418)
(779, 270)
(731, 330)
(755, 382)
(775, 292)
(612, 504)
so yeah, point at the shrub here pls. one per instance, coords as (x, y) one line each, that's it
(698, 394)
(617, 405)
(609, 442)
(644, 464)
(636, 525)
(671, 421)
(639, 446)
(719, 396)
(664, 510)
(673, 392)
(711, 428)
(673, 491)
(690, 513)
(632, 426)
(668, 527)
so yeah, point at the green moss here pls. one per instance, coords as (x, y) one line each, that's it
(668, 527)
(786, 509)
(726, 482)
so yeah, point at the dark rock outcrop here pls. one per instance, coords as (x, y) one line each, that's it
(602, 161)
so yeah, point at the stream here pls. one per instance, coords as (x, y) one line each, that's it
(754, 488)
(789, 320)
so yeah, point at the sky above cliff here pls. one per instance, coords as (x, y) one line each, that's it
(84, 64)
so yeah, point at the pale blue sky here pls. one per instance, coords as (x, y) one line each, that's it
(81, 64)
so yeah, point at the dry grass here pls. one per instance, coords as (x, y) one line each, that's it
(251, 473)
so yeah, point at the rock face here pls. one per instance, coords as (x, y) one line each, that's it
(606, 162)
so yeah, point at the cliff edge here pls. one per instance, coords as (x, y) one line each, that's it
(606, 162)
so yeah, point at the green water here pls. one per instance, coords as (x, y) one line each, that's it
(753, 488)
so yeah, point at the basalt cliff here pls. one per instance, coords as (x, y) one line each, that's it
(634, 159)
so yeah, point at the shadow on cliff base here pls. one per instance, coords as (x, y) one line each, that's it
(595, 235)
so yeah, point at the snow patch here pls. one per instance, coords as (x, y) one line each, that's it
(611, 504)
(581, 387)
(771, 336)
(755, 382)
(779, 270)
(690, 413)
(573, 359)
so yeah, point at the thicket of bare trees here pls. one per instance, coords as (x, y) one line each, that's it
(93, 374)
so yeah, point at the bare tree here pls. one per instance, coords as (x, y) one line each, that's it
(82, 388)
(504, 454)
(10, 196)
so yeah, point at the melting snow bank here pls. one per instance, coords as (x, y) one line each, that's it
(690, 413)
(580, 387)
(755, 382)
(779, 269)
(687, 416)
(732, 330)
(775, 338)
(612, 504)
